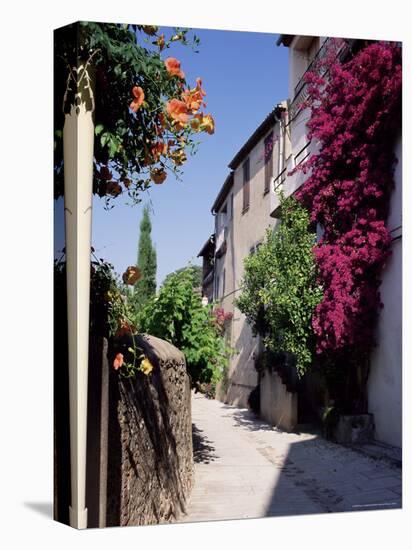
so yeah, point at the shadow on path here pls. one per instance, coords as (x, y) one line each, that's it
(247, 419)
(203, 450)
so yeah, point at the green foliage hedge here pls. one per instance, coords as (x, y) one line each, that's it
(279, 288)
(177, 315)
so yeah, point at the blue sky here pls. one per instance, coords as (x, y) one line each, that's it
(244, 75)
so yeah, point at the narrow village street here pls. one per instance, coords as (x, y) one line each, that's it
(244, 468)
(254, 254)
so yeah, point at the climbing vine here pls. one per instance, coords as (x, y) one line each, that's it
(146, 114)
(110, 312)
(355, 115)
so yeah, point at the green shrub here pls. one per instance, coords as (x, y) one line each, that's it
(177, 315)
(279, 288)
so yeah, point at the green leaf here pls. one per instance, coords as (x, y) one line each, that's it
(104, 139)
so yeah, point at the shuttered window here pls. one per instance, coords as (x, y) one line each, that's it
(246, 184)
(268, 161)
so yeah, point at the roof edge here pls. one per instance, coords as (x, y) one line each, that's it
(270, 120)
(224, 190)
(285, 39)
(208, 243)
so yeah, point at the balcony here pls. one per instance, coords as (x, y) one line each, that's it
(301, 91)
(288, 183)
(221, 242)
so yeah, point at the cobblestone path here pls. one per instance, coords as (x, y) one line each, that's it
(244, 468)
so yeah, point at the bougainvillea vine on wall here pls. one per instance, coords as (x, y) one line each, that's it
(355, 115)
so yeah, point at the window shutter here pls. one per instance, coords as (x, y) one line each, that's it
(246, 184)
(268, 161)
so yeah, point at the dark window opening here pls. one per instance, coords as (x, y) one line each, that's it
(246, 185)
(269, 142)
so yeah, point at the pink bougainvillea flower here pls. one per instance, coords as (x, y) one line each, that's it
(118, 361)
(173, 67)
(131, 275)
(352, 168)
(177, 110)
(138, 95)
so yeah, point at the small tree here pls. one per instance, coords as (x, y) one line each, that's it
(176, 314)
(197, 275)
(279, 288)
(145, 287)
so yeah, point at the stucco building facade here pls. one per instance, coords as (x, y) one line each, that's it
(242, 216)
(248, 204)
(385, 378)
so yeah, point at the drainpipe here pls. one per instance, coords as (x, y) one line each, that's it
(281, 145)
(214, 258)
(78, 141)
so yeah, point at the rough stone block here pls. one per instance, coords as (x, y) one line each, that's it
(354, 428)
(150, 470)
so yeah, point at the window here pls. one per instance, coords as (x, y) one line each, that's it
(313, 49)
(268, 161)
(320, 230)
(246, 185)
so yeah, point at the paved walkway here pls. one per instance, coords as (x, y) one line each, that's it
(244, 468)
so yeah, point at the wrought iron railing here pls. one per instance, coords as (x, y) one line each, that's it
(301, 89)
(279, 180)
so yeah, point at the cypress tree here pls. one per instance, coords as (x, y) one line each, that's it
(146, 262)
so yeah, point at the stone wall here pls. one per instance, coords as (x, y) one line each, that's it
(150, 452)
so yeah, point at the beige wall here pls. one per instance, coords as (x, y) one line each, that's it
(302, 50)
(278, 406)
(245, 230)
(295, 141)
(385, 379)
